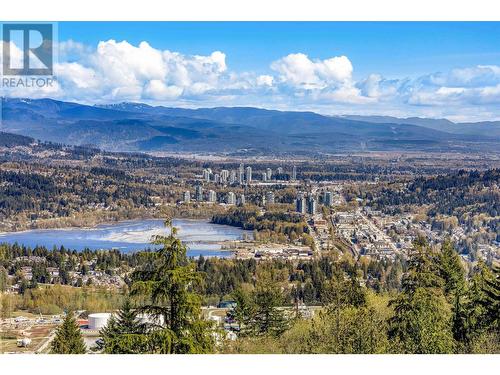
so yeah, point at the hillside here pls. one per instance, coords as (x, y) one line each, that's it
(140, 127)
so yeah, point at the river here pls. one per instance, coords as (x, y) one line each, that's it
(200, 236)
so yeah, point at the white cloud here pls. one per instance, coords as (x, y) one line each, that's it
(265, 80)
(117, 71)
(298, 70)
(329, 81)
(476, 76)
(158, 90)
(336, 69)
(120, 71)
(77, 76)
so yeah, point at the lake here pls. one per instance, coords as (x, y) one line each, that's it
(199, 235)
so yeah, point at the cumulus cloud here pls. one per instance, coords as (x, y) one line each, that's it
(265, 80)
(477, 85)
(298, 70)
(328, 80)
(120, 71)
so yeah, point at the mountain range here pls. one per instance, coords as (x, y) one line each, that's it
(141, 127)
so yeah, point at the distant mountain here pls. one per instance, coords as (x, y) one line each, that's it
(489, 129)
(141, 127)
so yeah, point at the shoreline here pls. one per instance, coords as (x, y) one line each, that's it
(125, 229)
(99, 223)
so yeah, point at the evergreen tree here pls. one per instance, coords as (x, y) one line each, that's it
(243, 311)
(423, 270)
(168, 280)
(341, 291)
(3, 279)
(451, 270)
(462, 323)
(68, 339)
(269, 318)
(123, 334)
(260, 312)
(23, 286)
(422, 318)
(309, 293)
(490, 298)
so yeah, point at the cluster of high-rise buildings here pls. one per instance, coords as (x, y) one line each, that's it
(224, 177)
(212, 197)
(199, 196)
(305, 204)
(244, 175)
(308, 204)
(229, 198)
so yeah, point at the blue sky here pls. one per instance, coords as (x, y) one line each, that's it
(428, 69)
(390, 48)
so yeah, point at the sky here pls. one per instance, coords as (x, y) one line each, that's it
(426, 69)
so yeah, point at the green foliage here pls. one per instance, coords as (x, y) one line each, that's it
(340, 292)
(422, 316)
(260, 312)
(476, 313)
(269, 318)
(68, 339)
(432, 309)
(276, 225)
(451, 270)
(490, 298)
(347, 324)
(421, 323)
(57, 298)
(168, 280)
(3, 279)
(348, 330)
(124, 334)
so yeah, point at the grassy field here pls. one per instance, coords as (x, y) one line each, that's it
(38, 333)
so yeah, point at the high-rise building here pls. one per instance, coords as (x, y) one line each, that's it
(294, 173)
(241, 174)
(187, 197)
(248, 174)
(269, 173)
(269, 197)
(224, 176)
(199, 193)
(242, 200)
(300, 203)
(206, 174)
(264, 176)
(328, 198)
(311, 205)
(279, 170)
(212, 196)
(232, 177)
(217, 178)
(231, 198)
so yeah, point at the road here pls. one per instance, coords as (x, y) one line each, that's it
(380, 233)
(44, 346)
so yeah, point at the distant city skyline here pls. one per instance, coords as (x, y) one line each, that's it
(426, 69)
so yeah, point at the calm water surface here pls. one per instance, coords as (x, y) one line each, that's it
(134, 235)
